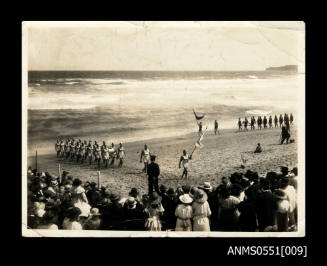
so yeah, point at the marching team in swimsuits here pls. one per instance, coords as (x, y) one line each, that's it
(80, 152)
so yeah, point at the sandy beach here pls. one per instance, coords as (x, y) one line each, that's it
(220, 156)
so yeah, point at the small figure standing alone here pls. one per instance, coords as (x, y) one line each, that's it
(270, 121)
(145, 154)
(216, 127)
(285, 135)
(184, 160)
(239, 124)
(276, 121)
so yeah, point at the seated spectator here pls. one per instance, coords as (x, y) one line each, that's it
(201, 212)
(35, 218)
(71, 221)
(184, 213)
(134, 215)
(258, 149)
(47, 221)
(93, 222)
(93, 195)
(135, 194)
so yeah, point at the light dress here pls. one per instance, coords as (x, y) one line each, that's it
(80, 201)
(153, 222)
(184, 214)
(201, 211)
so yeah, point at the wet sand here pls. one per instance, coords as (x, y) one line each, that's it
(220, 156)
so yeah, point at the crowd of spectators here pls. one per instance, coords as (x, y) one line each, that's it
(241, 202)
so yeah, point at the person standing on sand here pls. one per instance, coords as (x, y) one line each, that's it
(112, 154)
(97, 153)
(276, 121)
(57, 147)
(259, 122)
(270, 121)
(280, 120)
(291, 118)
(264, 122)
(216, 127)
(145, 154)
(246, 124)
(153, 171)
(121, 154)
(184, 160)
(239, 124)
(105, 154)
(285, 135)
(89, 152)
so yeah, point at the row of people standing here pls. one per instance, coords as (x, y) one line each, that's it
(80, 151)
(266, 122)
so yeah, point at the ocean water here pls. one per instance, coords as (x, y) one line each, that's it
(135, 105)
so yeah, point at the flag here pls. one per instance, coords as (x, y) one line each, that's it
(198, 117)
(198, 144)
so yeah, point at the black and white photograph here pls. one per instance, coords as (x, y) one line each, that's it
(163, 129)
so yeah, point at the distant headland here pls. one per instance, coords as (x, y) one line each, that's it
(290, 68)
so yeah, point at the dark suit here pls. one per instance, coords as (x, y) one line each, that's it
(153, 172)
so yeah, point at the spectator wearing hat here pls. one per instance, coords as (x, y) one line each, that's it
(170, 205)
(47, 221)
(134, 215)
(71, 221)
(93, 195)
(64, 177)
(184, 213)
(79, 198)
(201, 212)
(153, 171)
(93, 222)
(282, 212)
(114, 214)
(154, 211)
(135, 194)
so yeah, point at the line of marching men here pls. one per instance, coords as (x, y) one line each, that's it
(80, 151)
(286, 121)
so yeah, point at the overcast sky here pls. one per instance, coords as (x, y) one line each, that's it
(164, 45)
